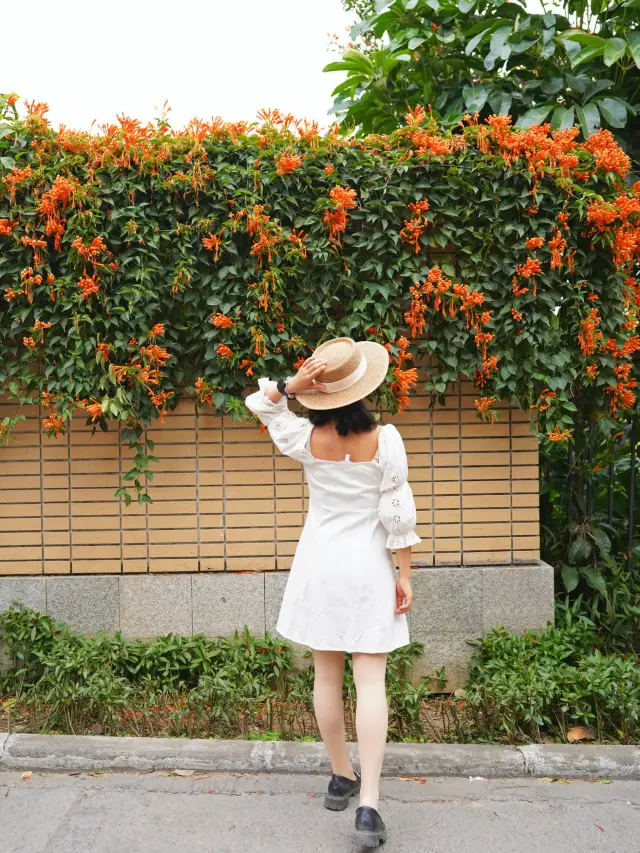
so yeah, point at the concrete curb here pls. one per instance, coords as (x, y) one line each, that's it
(66, 752)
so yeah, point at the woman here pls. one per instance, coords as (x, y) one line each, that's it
(342, 594)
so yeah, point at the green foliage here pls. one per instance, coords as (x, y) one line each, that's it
(520, 688)
(576, 65)
(144, 264)
(539, 685)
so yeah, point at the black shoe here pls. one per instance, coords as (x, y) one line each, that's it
(339, 791)
(370, 828)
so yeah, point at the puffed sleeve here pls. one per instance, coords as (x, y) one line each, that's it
(397, 508)
(288, 431)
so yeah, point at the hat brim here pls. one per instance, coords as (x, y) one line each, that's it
(377, 366)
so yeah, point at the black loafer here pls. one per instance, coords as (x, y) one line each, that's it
(370, 828)
(340, 791)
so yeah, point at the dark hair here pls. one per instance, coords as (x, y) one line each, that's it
(352, 418)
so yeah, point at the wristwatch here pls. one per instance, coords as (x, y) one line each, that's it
(281, 385)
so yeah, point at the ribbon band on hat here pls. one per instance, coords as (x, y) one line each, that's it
(348, 381)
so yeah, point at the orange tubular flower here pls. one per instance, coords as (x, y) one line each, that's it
(88, 286)
(157, 330)
(558, 435)
(534, 242)
(54, 425)
(592, 371)
(517, 316)
(104, 350)
(94, 409)
(214, 244)
(485, 408)
(247, 365)
(531, 267)
(298, 238)
(29, 342)
(221, 321)
(404, 381)
(224, 351)
(288, 163)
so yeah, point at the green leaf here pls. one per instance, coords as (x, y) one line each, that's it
(603, 541)
(589, 119)
(585, 54)
(634, 47)
(595, 580)
(563, 119)
(570, 577)
(415, 42)
(613, 111)
(535, 116)
(614, 49)
(584, 38)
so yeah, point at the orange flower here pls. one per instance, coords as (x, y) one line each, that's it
(485, 408)
(329, 169)
(534, 242)
(259, 344)
(90, 252)
(224, 351)
(288, 163)
(404, 381)
(54, 425)
(104, 350)
(248, 364)
(414, 227)
(221, 321)
(529, 268)
(88, 285)
(298, 238)
(29, 342)
(297, 364)
(94, 409)
(343, 198)
(214, 244)
(517, 316)
(6, 227)
(592, 371)
(558, 435)
(588, 337)
(157, 330)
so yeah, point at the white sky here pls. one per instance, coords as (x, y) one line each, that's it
(95, 60)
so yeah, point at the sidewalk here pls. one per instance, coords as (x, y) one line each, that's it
(278, 813)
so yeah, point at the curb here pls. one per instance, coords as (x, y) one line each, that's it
(68, 752)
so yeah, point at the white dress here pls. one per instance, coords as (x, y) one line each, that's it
(340, 594)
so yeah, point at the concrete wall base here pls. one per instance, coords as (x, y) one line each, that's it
(452, 605)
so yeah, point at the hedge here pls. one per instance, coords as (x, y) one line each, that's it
(141, 263)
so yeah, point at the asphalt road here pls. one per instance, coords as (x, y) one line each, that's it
(241, 813)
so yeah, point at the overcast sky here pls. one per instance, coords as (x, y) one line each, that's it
(91, 60)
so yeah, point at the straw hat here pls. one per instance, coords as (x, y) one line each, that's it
(353, 371)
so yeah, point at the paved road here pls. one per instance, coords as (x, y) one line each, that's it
(225, 813)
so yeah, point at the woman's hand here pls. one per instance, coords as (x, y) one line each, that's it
(305, 378)
(404, 595)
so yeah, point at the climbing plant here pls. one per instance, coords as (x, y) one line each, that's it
(141, 263)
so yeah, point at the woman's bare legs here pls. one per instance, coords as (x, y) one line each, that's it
(329, 710)
(371, 722)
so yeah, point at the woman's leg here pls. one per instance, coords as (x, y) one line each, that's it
(371, 722)
(329, 710)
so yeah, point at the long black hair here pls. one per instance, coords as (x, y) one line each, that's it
(352, 418)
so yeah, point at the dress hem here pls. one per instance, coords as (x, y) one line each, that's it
(324, 648)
